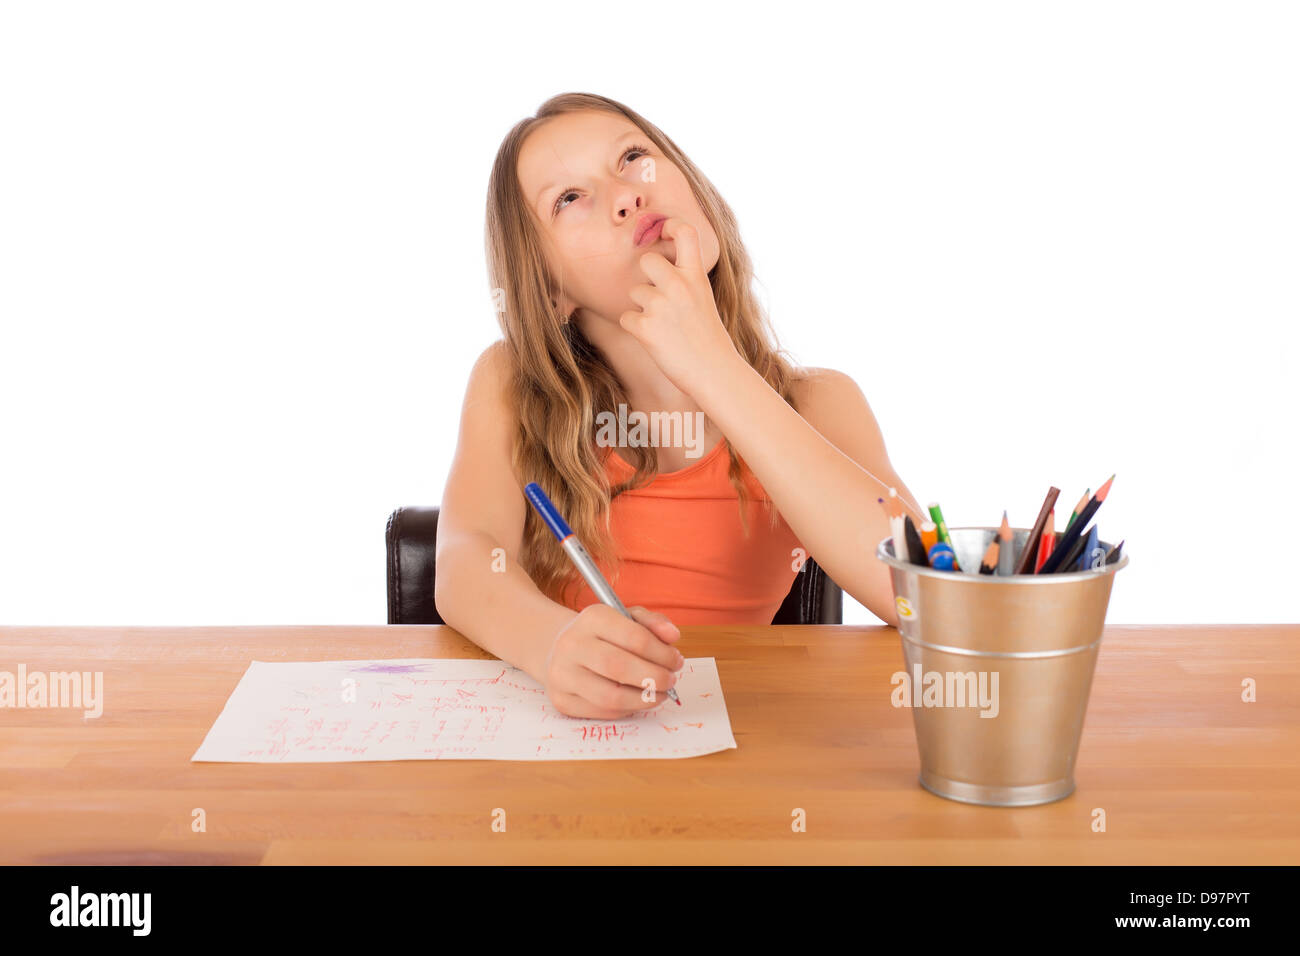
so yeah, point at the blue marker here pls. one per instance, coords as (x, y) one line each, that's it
(578, 555)
(942, 557)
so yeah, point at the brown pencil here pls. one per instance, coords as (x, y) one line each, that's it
(1031, 543)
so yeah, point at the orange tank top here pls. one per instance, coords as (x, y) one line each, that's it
(684, 552)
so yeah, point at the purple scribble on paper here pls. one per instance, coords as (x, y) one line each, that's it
(392, 668)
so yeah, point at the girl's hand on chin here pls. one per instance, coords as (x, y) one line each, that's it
(678, 322)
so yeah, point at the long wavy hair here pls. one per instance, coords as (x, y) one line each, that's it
(559, 382)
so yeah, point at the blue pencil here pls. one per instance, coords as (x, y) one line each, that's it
(578, 555)
(1089, 558)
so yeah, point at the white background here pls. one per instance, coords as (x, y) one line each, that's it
(242, 278)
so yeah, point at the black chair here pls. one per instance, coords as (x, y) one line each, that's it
(411, 538)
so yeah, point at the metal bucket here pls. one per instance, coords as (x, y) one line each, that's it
(1014, 658)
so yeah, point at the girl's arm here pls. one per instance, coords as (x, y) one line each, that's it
(480, 588)
(826, 497)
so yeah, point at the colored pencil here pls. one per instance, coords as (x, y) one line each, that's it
(1007, 547)
(1070, 558)
(889, 516)
(1089, 557)
(990, 560)
(1083, 503)
(894, 505)
(894, 511)
(1025, 564)
(915, 551)
(1047, 542)
(1062, 554)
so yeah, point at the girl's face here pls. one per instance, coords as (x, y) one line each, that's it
(588, 177)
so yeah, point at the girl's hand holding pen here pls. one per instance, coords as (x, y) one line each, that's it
(599, 659)
(597, 662)
(678, 323)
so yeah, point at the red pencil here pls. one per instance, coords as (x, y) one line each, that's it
(1048, 541)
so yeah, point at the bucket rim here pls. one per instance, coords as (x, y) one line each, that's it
(1040, 580)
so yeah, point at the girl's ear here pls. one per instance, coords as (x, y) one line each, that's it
(562, 309)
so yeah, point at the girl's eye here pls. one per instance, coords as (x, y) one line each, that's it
(569, 189)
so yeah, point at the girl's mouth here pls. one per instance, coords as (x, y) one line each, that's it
(651, 233)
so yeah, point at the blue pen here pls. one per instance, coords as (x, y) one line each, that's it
(578, 555)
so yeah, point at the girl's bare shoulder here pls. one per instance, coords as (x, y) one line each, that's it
(813, 386)
(831, 402)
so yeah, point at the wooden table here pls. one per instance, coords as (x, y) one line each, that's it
(1186, 772)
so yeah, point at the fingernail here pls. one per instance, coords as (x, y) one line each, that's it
(680, 660)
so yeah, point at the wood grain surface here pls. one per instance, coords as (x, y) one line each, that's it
(1186, 772)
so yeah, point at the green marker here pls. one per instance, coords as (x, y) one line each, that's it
(936, 515)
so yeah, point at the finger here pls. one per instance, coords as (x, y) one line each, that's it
(610, 695)
(659, 623)
(644, 295)
(661, 272)
(687, 240)
(575, 706)
(622, 666)
(631, 322)
(636, 639)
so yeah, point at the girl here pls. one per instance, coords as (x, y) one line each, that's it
(621, 280)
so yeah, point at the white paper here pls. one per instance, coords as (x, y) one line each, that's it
(424, 709)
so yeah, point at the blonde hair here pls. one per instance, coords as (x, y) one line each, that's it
(559, 382)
